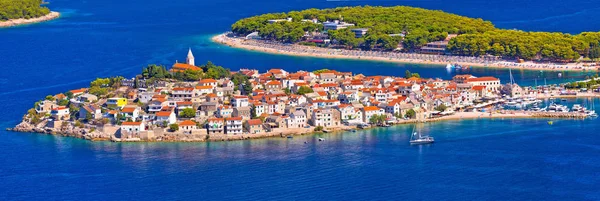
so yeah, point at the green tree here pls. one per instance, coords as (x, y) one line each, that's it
(305, 90)
(373, 119)
(174, 127)
(320, 71)
(63, 102)
(247, 87)
(88, 116)
(98, 91)
(50, 98)
(15, 9)
(318, 128)
(411, 113)
(155, 71)
(69, 94)
(215, 72)
(188, 113)
(441, 107)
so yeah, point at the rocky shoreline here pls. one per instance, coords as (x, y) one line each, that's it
(16, 22)
(26, 127)
(95, 135)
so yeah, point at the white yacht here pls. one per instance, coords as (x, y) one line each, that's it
(577, 108)
(416, 138)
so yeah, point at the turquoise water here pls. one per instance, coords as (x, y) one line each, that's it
(523, 159)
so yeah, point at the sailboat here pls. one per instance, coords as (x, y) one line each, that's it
(416, 138)
(592, 112)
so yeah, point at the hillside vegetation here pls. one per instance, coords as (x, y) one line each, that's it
(476, 36)
(15, 9)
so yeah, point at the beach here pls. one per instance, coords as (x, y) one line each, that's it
(16, 22)
(440, 60)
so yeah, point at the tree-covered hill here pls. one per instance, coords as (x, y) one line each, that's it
(15, 9)
(423, 25)
(476, 37)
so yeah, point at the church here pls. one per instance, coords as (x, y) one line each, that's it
(189, 64)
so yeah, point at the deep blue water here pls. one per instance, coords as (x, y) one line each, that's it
(522, 159)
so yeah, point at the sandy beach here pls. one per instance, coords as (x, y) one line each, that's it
(307, 51)
(16, 22)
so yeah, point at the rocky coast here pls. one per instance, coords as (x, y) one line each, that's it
(16, 22)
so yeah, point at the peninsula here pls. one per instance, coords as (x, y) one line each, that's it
(413, 35)
(187, 102)
(20, 12)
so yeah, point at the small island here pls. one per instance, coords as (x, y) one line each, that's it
(412, 35)
(20, 12)
(211, 103)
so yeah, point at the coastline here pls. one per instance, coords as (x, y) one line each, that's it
(94, 135)
(317, 52)
(17, 22)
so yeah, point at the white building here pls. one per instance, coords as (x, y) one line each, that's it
(359, 32)
(239, 101)
(336, 25)
(234, 125)
(190, 58)
(326, 117)
(128, 128)
(490, 83)
(297, 119)
(60, 113)
(165, 116)
(369, 111)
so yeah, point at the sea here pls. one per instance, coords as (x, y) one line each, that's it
(477, 159)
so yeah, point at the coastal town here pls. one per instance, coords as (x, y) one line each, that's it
(176, 106)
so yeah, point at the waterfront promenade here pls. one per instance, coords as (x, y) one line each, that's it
(441, 60)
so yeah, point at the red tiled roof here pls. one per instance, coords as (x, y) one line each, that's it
(187, 123)
(482, 79)
(479, 87)
(184, 103)
(273, 82)
(215, 119)
(183, 89)
(234, 119)
(131, 123)
(75, 91)
(371, 108)
(254, 122)
(128, 109)
(180, 67)
(204, 87)
(208, 81)
(60, 108)
(163, 114)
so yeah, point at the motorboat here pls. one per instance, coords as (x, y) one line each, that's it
(577, 108)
